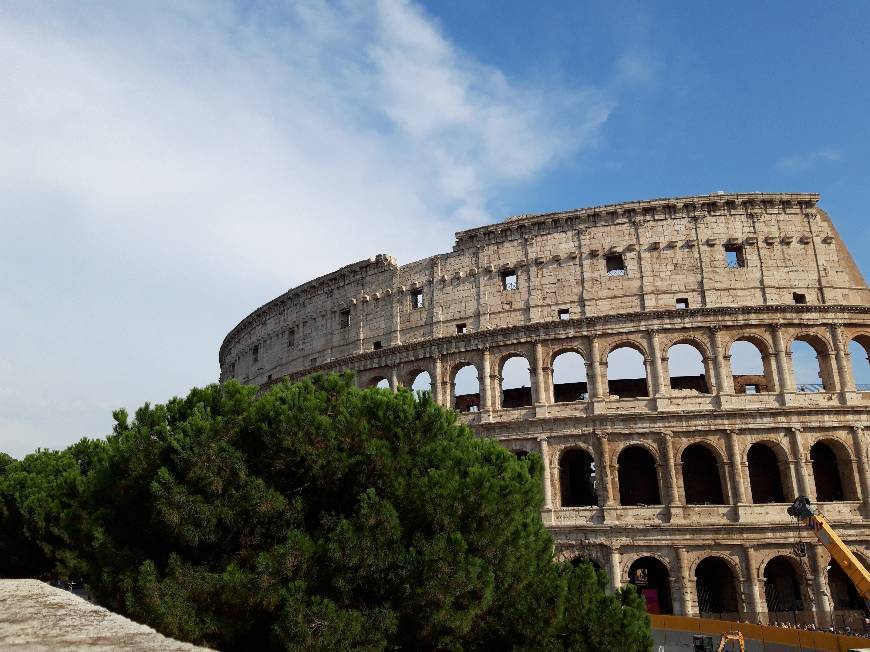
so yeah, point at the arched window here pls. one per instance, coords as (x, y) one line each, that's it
(466, 389)
(520, 454)
(701, 476)
(826, 472)
(626, 373)
(686, 369)
(807, 370)
(516, 383)
(842, 590)
(569, 378)
(638, 478)
(859, 354)
(583, 559)
(577, 478)
(716, 588)
(782, 587)
(765, 477)
(748, 368)
(380, 382)
(652, 580)
(422, 382)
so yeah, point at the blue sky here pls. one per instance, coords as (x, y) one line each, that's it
(167, 167)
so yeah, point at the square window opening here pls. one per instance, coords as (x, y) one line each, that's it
(461, 329)
(682, 303)
(509, 280)
(615, 265)
(799, 298)
(752, 389)
(255, 353)
(313, 362)
(291, 338)
(416, 299)
(734, 257)
(344, 319)
(377, 346)
(564, 313)
(269, 378)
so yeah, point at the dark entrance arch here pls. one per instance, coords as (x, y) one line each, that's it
(583, 559)
(765, 480)
(826, 472)
(716, 587)
(638, 479)
(782, 589)
(577, 478)
(653, 582)
(842, 590)
(701, 481)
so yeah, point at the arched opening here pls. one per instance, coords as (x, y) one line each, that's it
(782, 589)
(380, 382)
(653, 582)
(577, 478)
(701, 478)
(520, 454)
(626, 373)
(806, 367)
(765, 477)
(422, 382)
(716, 588)
(842, 591)
(826, 472)
(583, 559)
(686, 369)
(638, 477)
(569, 378)
(516, 383)
(466, 389)
(749, 369)
(859, 354)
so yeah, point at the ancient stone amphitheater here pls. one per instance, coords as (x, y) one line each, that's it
(673, 478)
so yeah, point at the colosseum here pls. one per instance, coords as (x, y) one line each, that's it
(648, 352)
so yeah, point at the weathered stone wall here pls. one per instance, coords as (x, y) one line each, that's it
(785, 246)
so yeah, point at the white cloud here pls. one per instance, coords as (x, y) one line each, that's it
(164, 163)
(807, 160)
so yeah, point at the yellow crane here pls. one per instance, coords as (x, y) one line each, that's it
(808, 515)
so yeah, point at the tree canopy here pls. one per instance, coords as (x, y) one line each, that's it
(314, 516)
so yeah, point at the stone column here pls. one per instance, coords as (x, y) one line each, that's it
(548, 487)
(658, 382)
(683, 582)
(437, 387)
(859, 444)
(485, 384)
(822, 605)
(615, 572)
(605, 499)
(783, 368)
(394, 379)
(539, 389)
(724, 382)
(670, 472)
(737, 464)
(804, 487)
(593, 375)
(842, 362)
(752, 599)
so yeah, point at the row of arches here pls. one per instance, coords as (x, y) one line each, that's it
(704, 475)
(718, 592)
(689, 370)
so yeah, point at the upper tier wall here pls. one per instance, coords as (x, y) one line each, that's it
(671, 249)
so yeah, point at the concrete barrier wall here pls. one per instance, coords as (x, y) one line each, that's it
(672, 633)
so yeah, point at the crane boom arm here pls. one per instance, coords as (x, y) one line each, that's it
(840, 552)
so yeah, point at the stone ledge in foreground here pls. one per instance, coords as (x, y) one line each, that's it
(35, 616)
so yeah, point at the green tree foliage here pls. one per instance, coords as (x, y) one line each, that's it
(320, 517)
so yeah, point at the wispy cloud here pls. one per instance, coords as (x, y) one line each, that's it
(159, 156)
(807, 160)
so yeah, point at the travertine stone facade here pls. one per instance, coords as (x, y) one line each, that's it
(705, 271)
